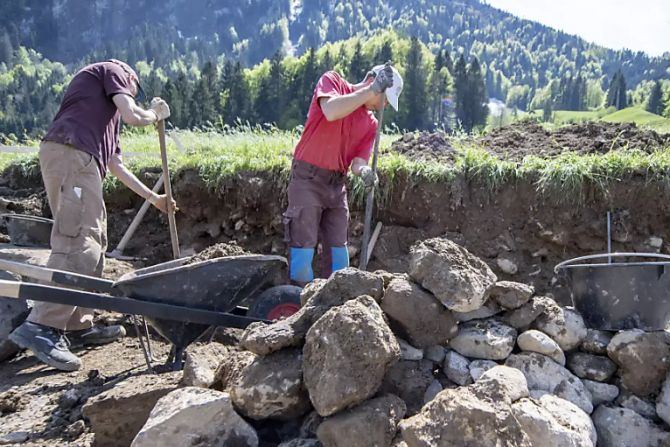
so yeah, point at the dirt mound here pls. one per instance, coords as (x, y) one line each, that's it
(218, 251)
(518, 140)
(425, 146)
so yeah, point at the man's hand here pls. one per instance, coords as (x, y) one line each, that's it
(160, 202)
(368, 176)
(383, 80)
(160, 108)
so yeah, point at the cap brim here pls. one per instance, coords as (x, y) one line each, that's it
(392, 99)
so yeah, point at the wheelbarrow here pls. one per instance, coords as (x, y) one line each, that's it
(29, 231)
(620, 295)
(180, 299)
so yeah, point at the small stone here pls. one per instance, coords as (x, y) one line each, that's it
(655, 242)
(596, 342)
(507, 266)
(489, 309)
(564, 325)
(409, 352)
(16, 437)
(592, 367)
(432, 391)
(601, 393)
(69, 399)
(511, 295)
(484, 339)
(640, 406)
(75, 429)
(663, 402)
(536, 341)
(435, 354)
(456, 368)
(479, 367)
(524, 316)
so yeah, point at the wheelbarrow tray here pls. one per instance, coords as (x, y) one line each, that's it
(621, 295)
(218, 285)
(29, 231)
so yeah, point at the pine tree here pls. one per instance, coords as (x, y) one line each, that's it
(461, 87)
(269, 104)
(478, 98)
(357, 65)
(448, 62)
(236, 96)
(413, 112)
(327, 63)
(655, 101)
(6, 50)
(385, 53)
(616, 95)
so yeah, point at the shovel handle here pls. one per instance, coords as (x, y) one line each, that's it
(168, 191)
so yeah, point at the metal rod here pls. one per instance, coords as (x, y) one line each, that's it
(146, 333)
(609, 236)
(147, 357)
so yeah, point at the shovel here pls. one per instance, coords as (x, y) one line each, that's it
(370, 199)
(168, 191)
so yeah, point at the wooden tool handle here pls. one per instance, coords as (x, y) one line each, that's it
(168, 191)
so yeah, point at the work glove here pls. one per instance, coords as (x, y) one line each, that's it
(383, 80)
(368, 176)
(160, 108)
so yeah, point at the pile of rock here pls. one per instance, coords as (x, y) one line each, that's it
(444, 355)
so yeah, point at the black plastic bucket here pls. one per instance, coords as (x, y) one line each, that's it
(620, 295)
(29, 231)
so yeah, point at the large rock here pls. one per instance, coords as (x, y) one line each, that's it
(640, 406)
(621, 427)
(420, 316)
(564, 325)
(601, 393)
(457, 278)
(272, 387)
(456, 368)
(301, 442)
(596, 342)
(489, 309)
(535, 341)
(118, 414)
(484, 339)
(592, 367)
(201, 363)
(476, 415)
(231, 366)
(663, 402)
(409, 381)
(343, 285)
(409, 352)
(511, 295)
(542, 373)
(554, 422)
(643, 359)
(373, 423)
(346, 355)
(525, 315)
(13, 312)
(479, 367)
(194, 416)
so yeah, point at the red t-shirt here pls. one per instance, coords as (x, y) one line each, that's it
(333, 145)
(88, 118)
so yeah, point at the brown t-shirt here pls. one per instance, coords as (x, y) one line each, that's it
(88, 118)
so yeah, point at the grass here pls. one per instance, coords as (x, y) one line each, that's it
(220, 156)
(641, 117)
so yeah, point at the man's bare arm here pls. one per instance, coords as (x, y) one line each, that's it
(337, 107)
(131, 113)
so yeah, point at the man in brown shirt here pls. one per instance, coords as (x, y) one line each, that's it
(80, 147)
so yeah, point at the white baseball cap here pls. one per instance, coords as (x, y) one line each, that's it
(393, 92)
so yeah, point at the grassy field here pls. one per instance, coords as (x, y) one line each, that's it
(641, 117)
(217, 156)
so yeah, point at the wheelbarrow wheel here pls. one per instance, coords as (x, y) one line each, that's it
(276, 303)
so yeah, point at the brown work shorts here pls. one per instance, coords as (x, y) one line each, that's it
(317, 207)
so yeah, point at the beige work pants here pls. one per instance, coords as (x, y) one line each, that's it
(79, 236)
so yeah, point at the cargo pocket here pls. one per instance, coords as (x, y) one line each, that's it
(70, 211)
(288, 217)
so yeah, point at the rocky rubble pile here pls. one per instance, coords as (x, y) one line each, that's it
(445, 355)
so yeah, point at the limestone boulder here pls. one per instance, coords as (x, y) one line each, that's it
(535, 341)
(341, 369)
(510, 294)
(201, 362)
(194, 416)
(643, 359)
(621, 427)
(591, 366)
(525, 315)
(374, 422)
(564, 325)
(409, 381)
(419, 315)
(484, 339)
(479, 367)
(596, 341)
(601, 393)
(272, 387)
(460, 280)
(456, 368)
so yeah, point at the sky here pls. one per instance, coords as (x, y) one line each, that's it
(642, 25)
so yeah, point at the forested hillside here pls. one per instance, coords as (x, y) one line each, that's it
(231, 52)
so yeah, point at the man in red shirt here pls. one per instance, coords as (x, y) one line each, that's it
(81, 145)
(338, 135)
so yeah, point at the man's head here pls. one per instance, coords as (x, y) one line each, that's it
(393, 92)
(134, 80)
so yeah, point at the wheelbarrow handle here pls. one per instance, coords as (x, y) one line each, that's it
(57, 276)
(565, 264)
(125, 305)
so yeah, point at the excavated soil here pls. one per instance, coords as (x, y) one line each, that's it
(217, 251)
(519, 140)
